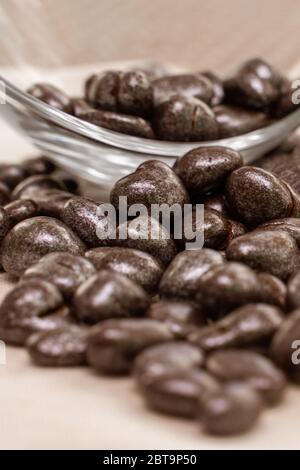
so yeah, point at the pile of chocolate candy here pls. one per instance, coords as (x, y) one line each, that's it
(207, 334)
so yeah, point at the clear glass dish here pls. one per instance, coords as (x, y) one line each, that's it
(102, 156)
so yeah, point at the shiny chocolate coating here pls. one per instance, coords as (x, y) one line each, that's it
(183, 276)
(162, 359)
(182, 316)
(233, 120)
(20, 209)
(225, 287)
(234, 409)
(255, 196)
(271, 251)
(123, 123)
(83, 216)
(248, 366)
(153, 182)
(12, 174)
(185, 119)
(285, 344)
(31, 239)
(206, 168)
(177, 393)
(31, 306)
(217, 86)
(62, 347)
(109, 295)
(147, 234)
(186, 85)
(129, 92)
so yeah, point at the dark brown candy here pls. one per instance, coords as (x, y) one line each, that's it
(247, 325)
(185, 119)
(19, 210)
(217, 203)
(215, 229)
(31, 239)
(31, 306)
(256, 84)
(178, 393)
(273, 290)
(123, 123)
(284, 348)
(139, 266)
(32, 185)
(217, 86)
(186, 85)
(263, 70)
(162, 359)
(255, 196)
(129, 92)
(109, 295)
(183, 277)
(153, 182)
(233, 409)
(38, 166)
(51, 95)
(113, 344)
(233, 120)
(271, 251)
(62, 347)
(250, 367)
(83, 215)
(12, 174)
(65, 270)
(206, 168)
(225, 287)
(181, 315)
(147, 234)
(4, 194)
